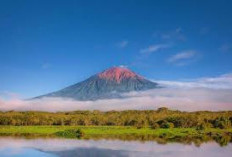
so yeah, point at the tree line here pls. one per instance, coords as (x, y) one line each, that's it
(161, 118)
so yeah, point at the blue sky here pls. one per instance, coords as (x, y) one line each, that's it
(47, 45)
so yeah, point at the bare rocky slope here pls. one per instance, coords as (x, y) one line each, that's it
(111, 83)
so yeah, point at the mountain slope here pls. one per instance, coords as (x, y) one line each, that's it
(111, 83)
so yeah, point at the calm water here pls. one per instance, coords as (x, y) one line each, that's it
(19, 147)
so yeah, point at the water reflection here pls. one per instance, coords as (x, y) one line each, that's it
(197, 140)
(12, 146)
(222, 140)
(23, 152)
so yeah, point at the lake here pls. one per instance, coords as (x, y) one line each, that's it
(52, 147)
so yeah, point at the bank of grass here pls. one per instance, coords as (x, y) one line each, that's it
(110, 130)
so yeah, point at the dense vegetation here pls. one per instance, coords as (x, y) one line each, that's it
(161, 118)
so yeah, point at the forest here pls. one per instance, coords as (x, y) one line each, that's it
(160, 118)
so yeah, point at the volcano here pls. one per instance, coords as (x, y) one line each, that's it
(111, 83)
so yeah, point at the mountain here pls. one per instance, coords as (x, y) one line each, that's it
(111, 83)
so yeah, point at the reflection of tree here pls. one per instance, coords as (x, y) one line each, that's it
(164, 139)
(222, 140)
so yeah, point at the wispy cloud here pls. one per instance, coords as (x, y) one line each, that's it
(204, 30)
(221, 82)
(226, 47)
(154, 48)
(176, 34)
(123, 66)
(9, 95)
(46, 65)
(182, 57)
(123, 44)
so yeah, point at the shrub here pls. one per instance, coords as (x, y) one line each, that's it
(139, 125)
(167, 125)
(71, 133)
(222, 123)
(203, 126)
(162, 110)
(155, 126)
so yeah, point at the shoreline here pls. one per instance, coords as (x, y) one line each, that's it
(182, 135)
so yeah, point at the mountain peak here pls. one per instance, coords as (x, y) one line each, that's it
(118, 74)
(111, 83)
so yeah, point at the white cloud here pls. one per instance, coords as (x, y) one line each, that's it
(9, 95)
(123, 44)
(185, 99)
(153, 48)
(176, 34)
(46, 65)
(204, 30)
(212, 94)
(123, 66)
(181, 57)
(225, 48)
(221, 82)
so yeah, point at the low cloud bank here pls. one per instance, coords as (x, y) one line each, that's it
(213, 94)
(221, 82)
(173, 98)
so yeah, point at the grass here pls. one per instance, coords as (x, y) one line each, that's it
(108, 130)
(182, 135)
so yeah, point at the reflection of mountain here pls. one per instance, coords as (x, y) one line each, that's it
(110, 83)
(51, 147)
(92, 152)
